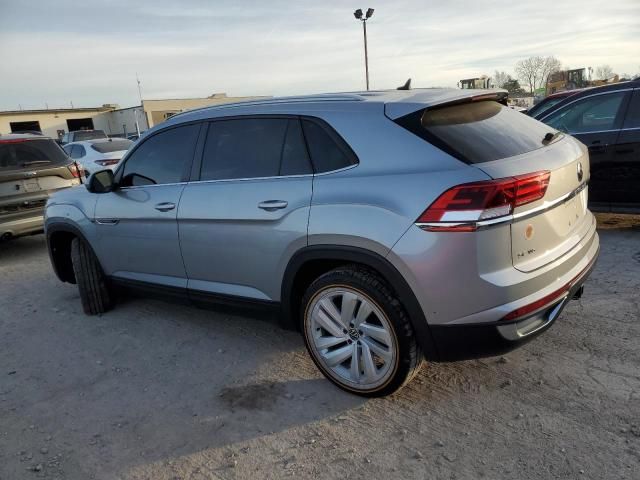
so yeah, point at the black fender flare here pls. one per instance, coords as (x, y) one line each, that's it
(367, 258)
(67, 228)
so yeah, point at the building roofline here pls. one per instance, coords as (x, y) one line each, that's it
(56, 110)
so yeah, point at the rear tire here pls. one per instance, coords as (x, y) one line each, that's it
(92, 283)
(358, 333)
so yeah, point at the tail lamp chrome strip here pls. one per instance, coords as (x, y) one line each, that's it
(481, 224)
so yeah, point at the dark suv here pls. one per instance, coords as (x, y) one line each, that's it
(607, 120)
(31, 168)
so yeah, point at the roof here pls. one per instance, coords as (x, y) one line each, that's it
(397, 102)
(23, 136)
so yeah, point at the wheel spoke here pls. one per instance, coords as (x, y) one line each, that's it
(376, 348)
(370, 370)
(337, 356)
(327, 321)
(328, 342)
(349, 302)
(355, 363)
(378, 333)
(363, 312)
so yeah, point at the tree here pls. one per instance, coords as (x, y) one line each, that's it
(603, 72)
(529, 71)
(513, 86)
(500, 78)
(551, 65)
(535, 71)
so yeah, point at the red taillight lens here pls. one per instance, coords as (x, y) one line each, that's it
(463, 205)
(111, 161)
(75, 169)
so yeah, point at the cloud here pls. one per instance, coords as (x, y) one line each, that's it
(90, 52)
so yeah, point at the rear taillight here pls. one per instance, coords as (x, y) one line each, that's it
(75, 169)
(460, 208)
(111, 161)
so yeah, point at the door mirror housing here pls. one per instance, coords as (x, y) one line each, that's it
(101, 182)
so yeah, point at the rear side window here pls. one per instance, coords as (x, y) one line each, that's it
(590, 114)
(19, 154)
(253, 148)
(161, 158)
(328, 151)
(78, 151)
(112, 146)
(477, 132)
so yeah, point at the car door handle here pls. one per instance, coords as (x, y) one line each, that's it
(165, 206)
(273, 205)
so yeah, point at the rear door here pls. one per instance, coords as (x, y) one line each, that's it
(136, 224)
(505, 144)
(596, 120)
(625, 184)
(248, 210)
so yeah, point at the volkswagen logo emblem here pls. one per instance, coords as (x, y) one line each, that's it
(580, 172)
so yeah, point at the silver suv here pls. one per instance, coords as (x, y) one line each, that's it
(385, 226)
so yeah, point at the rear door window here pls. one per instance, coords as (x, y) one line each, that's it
(590, 114)
(31, 154)
(254, 148)
(328, 151)
(161, 158)
(477, 132)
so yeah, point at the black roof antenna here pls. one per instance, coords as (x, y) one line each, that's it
(406, 86)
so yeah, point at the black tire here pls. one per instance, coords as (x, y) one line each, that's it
(409, 356)
(92, 283)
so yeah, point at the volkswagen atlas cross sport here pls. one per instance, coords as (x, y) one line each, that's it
(385, 226)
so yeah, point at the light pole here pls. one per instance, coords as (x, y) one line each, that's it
(363, 18)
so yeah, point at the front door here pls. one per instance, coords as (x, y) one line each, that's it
(137, 223)
(249, 211)
(626, 186)
(595, 120)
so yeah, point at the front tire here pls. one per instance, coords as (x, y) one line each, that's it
(358, 333)
(92, 283)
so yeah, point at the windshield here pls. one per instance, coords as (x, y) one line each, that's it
(544, 105)
(28, 153)
(82, 135)
(112, 146)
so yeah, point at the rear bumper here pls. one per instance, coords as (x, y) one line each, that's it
(468, 341)
(23, 224)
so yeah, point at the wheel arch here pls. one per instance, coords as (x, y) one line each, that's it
(310, 262)
(59, 238)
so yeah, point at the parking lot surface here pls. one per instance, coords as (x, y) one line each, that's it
(153, 390)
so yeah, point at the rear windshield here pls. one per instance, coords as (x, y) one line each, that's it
(82, 135)
(112, 146)
(477, 132)
(42, 153)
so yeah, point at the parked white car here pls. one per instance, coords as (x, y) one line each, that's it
(98, 154)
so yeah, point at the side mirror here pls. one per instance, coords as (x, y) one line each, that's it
(101, 182)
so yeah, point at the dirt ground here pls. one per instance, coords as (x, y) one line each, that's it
(160, 391)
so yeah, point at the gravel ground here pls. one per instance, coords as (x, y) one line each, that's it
(161, 391)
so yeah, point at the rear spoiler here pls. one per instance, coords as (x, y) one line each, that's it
(422, 101)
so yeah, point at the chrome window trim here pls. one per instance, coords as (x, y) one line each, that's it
(507, 219)
(275, 177)
(135, 187)
(584, 98)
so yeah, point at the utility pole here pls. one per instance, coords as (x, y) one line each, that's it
(363, 18)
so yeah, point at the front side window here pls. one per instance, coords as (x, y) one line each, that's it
(632, 120)
(161, 158)
(254, 148)
(590, 114)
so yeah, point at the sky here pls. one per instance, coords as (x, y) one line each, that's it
(88, 53)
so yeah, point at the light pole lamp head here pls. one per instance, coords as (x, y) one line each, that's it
(358, 14)
(369, 13)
